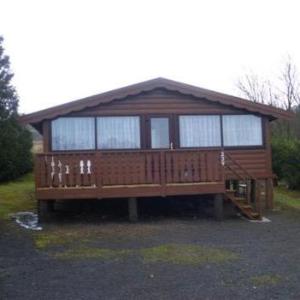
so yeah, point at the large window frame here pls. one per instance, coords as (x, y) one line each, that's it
(229, 147)
(174, 128)
(141, 130)
(71, 150)
(243, 146)
(217, 116)
(120, 116)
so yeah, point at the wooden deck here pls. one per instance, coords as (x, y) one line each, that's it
(111, 174)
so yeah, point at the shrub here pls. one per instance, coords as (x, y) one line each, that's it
(286, 160)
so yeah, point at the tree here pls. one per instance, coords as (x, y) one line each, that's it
(15, 140)
(285, 93)
(256, 89)
(291, 85)
(8, 96)
(285, 134)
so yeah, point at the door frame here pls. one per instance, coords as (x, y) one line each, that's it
(172, 130)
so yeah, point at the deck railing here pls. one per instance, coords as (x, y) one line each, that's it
(122, 168)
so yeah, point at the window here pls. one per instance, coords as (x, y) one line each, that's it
(73, 134)
(118, 133)
(242, 130)
(160, 133)
(200, 131)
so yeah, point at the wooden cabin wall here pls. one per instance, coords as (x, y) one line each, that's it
(257, 161)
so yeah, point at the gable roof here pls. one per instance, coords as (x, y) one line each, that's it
(146, 86)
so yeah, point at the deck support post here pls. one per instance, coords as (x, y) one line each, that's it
(218, 207)
(45, 207)
(269, 193)
(132, 209)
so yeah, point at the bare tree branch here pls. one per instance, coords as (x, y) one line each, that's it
(284, 94)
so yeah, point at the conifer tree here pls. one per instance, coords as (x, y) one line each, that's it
(15, 140)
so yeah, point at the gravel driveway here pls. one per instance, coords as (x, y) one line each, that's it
(179, 258)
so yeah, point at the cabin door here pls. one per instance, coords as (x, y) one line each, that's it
(160, 132)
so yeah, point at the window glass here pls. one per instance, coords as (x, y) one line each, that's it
(73, 133)
(118, 133)
(242, 130)
(200, 131)
(160, 133)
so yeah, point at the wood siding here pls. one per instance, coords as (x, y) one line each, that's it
(255, 161)
(158, 102)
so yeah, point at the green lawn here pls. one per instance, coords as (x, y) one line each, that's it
(287, 198)
(17, 196)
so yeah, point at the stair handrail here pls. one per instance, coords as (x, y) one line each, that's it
(248, 175)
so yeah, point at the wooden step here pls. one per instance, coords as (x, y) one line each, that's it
(230, 191)
(255, 214)
(240, 199)
(243, 205)
(246, 206)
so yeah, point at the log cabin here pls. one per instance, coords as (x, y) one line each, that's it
(157, 138)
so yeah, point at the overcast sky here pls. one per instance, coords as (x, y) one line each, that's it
(65, 50)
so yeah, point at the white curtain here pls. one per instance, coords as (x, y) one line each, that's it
(242, 130)
(160, 133)
(73, 133)
(118, 133)
(200, 131)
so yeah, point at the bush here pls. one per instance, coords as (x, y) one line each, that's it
(15, 149)
(286, 160)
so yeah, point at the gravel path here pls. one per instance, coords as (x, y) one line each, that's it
(267, 267)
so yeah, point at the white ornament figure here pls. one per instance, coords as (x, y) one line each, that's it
(67, 171)
(222, 158)
(81, 164)
(89, 165)
(60, 171)
(52, 168)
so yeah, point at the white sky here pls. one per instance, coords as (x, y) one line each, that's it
(65, 50)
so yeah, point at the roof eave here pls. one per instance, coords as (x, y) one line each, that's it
(132, 90)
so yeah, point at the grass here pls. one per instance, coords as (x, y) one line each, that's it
(17, 196)
(81, 242)
(67, 235)
(89, 252)
(186, 254)
(286, 198)
(45, 240)
(267, 279)
(169, 253)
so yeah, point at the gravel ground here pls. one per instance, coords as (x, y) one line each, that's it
(267, 264)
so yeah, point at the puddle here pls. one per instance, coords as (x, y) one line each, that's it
(28, 220)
